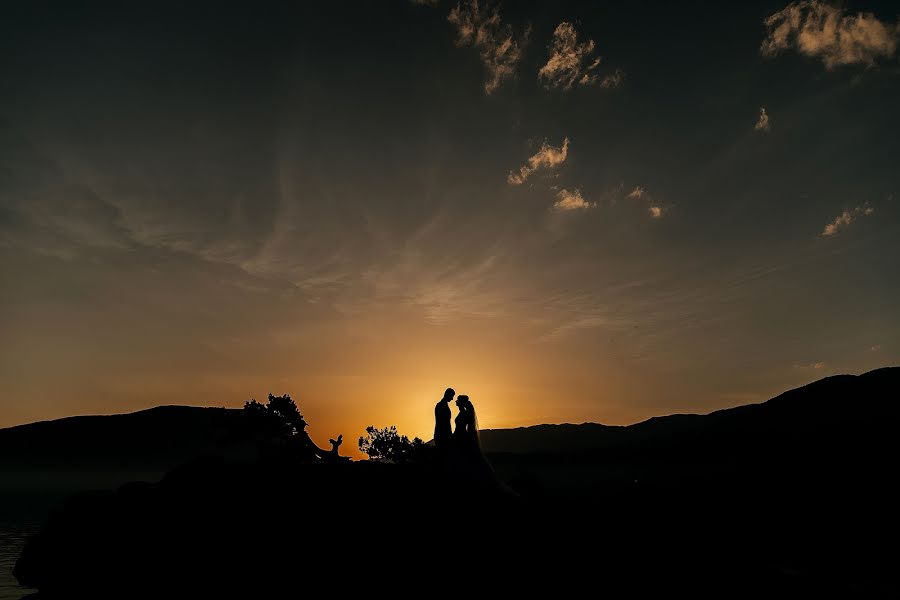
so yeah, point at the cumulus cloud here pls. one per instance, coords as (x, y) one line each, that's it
(636, 194)
(566, 200)
(571, 62)
(481, 28)
(763, 123)
(814, 28)
(547, 157)
(641, 195)
(846, 218)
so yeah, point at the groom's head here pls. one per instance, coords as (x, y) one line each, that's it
(448, 395)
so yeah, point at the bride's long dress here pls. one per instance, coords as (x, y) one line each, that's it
(469, 458)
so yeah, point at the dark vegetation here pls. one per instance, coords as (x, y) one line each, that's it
(389, 446)
(792, 496)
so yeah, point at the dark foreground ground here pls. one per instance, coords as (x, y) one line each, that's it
(794, 496)
(217, 527)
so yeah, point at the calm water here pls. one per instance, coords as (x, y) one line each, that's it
(12, 538)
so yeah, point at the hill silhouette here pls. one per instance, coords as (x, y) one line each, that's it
(164, 435)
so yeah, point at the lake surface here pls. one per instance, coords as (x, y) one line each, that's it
(12, 538)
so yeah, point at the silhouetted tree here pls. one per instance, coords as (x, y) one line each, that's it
(278, 417)
(255, 410)
(389, 446)
(285, 410)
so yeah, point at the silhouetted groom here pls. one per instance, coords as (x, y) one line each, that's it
(442, 431)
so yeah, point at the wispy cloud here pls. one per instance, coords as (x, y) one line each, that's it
(57, 215)
(875, 348)
(846, 218)
(656, 212)
(442, 287)
(763, 123)
(574, 325)
(481, 27)
(817, 29)
(547, 157)
(572, 312)
(566, 200)
(814, 365)
(613, 80)
(571, 62)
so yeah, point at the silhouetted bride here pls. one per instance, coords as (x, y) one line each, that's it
(467, 443)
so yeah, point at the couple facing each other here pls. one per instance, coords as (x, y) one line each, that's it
(459, 449)
(465, 436)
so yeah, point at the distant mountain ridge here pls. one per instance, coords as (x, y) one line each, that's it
(841, 403)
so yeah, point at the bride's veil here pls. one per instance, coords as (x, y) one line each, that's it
(476, 432)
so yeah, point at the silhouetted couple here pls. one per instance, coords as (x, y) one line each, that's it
(460, 448)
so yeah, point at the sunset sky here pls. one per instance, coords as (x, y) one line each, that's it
(570, 211)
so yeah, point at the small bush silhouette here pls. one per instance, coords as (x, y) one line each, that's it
(389, 446)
